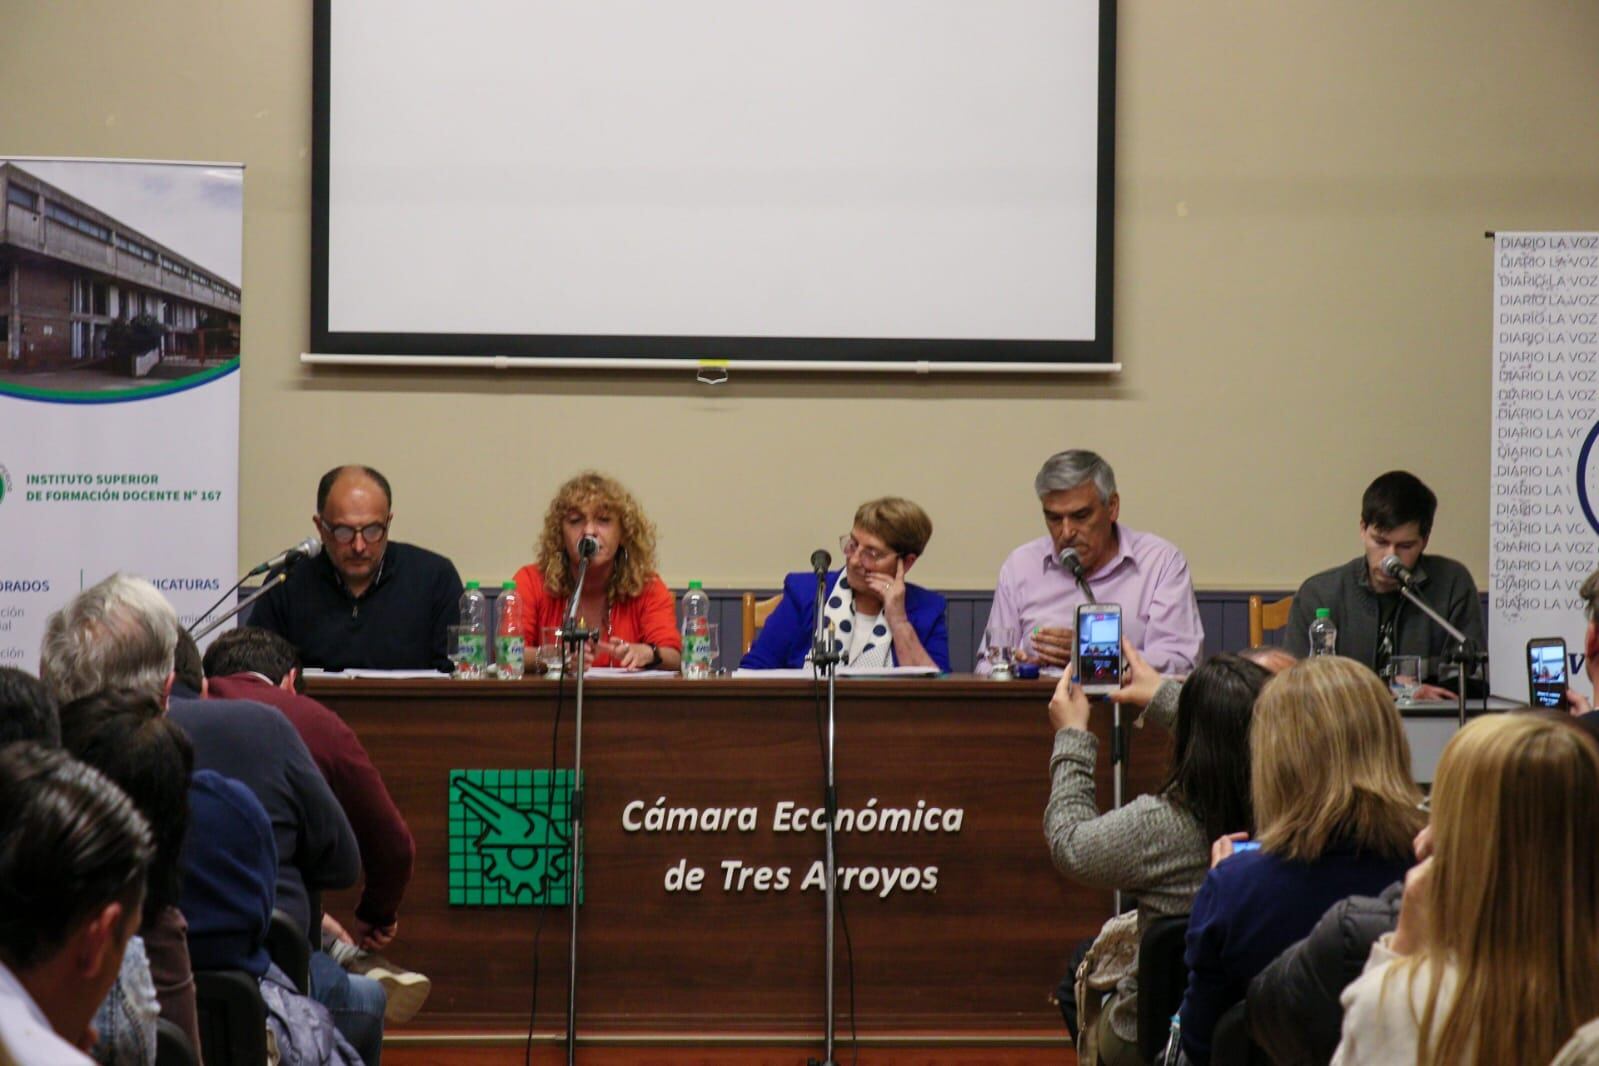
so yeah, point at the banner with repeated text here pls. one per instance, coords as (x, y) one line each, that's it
(1545, 496)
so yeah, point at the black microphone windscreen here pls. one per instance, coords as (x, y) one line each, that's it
(587, 547)
(821, 560)
(1396, 569)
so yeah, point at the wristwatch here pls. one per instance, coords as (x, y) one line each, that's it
(655, 658)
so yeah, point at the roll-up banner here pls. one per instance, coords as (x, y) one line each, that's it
(1545, 499)
(119, 385)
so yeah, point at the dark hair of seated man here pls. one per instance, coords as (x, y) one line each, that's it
(27, 710)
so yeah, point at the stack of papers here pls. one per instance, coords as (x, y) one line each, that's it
(805, 673)
(390, 675)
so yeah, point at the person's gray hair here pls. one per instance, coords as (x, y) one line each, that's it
(120, 633)
(1066, 470)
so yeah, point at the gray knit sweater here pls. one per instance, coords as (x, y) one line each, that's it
(1149, 848)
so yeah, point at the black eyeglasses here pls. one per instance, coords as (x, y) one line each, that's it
(345, 534)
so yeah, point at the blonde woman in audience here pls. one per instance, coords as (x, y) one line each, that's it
(1496, 957)
(1337, 811)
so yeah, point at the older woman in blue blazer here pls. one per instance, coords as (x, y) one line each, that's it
(878, 618)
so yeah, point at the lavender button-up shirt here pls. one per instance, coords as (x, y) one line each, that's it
(1147, 576)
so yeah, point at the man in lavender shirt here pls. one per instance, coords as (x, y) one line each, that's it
(1145, 575)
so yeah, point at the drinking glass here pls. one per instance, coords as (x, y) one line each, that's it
(1404, 677)
(715, 646)
(550, 650)
(1000, 643)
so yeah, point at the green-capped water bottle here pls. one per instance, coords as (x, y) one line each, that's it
(509, 643)
(696, 632)
(1323, 633)
(471, 653)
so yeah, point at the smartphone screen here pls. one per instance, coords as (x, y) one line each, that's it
(1099, 647)
(1546, 672)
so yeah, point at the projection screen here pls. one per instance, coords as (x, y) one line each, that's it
(804, 183)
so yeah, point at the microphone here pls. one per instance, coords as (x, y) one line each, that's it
(309, 548)
(820, 560)
(1069, 559)
(587, 547)
(1397, 570)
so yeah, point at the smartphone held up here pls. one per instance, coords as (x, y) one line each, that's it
(1098, 663)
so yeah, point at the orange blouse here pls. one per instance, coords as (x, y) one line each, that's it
(648, 618)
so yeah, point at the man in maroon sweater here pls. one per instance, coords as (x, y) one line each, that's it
(254, 664)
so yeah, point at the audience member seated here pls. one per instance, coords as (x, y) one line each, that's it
(622, 598)
(122, 634)
(878, 618)
(27, 710)
(1143, 573)
(1493, 958)
(1157, 847)
(123, 734)
(1374, 621)
(1294, 1012)
(1294, 1008)
(1336, 810)
(230, 864)
(73, 856)
(365, 601)
(254, 664)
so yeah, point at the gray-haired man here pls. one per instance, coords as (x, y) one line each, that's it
(1145, 575)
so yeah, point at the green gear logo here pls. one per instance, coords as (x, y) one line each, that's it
(509, 833)
(5, 483)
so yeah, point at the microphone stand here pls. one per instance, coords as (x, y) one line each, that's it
(199, 632)
(1464, 655)
(575, 638)
(826, 653)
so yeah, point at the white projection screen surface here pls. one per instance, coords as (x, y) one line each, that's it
(805, 181)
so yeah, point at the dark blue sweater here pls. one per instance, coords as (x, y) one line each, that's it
(230, 867)
(1250, 908)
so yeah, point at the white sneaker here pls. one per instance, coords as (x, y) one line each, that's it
(406, 990)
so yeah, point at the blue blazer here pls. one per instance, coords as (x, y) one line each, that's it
(786, 638)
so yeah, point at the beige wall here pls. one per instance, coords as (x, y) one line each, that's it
(1302, 296)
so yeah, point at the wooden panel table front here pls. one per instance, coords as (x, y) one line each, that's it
(973, 941)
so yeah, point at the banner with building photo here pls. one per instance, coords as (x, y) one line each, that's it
(119, 383)
(1545, 498)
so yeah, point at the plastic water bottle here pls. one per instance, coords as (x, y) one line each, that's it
(696, 632)
(472, 642)
(1173, 1053)
(1323, 634)
(509, 645)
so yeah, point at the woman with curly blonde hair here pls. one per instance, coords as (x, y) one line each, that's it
(1493, 960)
(622, 597)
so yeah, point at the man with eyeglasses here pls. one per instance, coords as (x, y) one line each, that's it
(365, 602)
(1037, 596)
